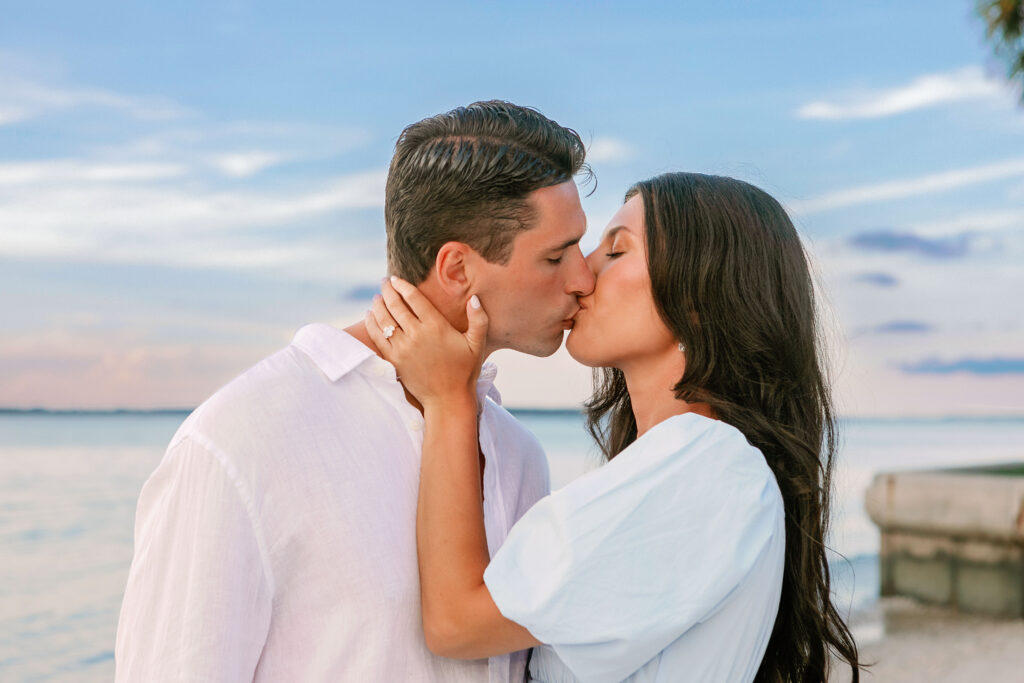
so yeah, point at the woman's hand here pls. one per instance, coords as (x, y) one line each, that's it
(435, 361)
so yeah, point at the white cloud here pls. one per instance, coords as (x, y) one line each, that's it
(11, 114)
(968, 83)
(609, 150)
(908, 187)
(21, 100)
(36, 217)
(75, 171)
(245, 164)
(160, 198)
(979, 221)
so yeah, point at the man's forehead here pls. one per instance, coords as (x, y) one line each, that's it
(559, 235)
(561, 225)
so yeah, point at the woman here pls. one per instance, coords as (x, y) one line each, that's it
(697, 552)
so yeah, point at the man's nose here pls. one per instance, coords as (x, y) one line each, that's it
(581, 282)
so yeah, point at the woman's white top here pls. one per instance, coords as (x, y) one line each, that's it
(663, 565)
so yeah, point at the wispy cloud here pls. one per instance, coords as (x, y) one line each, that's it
(38, 216)
(902, 327)
(893, 241)
(877, 279)
(160, 197)
(930, 90)
(12, 114)
(909, 187)
(245, 164)
(609, 150)
(81, 171)
(973, 366)
(974, 221)
(21, 100)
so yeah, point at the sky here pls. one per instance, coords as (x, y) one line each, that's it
(183, 186)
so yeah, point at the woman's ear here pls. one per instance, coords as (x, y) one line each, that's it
(453, 266)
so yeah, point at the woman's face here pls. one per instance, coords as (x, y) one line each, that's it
(617, 323)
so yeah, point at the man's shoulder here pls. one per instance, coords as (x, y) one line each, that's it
(285, 391)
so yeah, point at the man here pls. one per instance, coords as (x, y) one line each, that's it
(276, 540)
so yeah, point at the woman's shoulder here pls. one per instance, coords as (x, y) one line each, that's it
(691, 445)
(720, 455)
(692, 432)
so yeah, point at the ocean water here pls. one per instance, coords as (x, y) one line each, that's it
(69, 483)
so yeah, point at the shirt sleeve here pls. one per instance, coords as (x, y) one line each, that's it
(615, 566)
(198, 601)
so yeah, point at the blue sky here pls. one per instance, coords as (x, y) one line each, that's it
(182, 187)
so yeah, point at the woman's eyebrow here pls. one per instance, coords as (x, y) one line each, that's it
(612, 232)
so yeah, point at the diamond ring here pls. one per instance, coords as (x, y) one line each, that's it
(388, 331)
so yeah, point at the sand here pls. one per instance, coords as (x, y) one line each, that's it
(908, 641)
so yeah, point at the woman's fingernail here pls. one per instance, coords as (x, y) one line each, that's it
(394, 279)
(474, 302)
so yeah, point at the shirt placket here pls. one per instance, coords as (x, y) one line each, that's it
(495, 524)
(391, 390)
(495, 516)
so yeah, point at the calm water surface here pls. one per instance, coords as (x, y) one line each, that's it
(69, 483)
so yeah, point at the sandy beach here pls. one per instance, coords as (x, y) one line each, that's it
(908, 642)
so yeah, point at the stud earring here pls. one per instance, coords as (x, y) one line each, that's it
(682, 346)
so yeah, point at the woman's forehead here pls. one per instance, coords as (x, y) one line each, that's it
(629, 218)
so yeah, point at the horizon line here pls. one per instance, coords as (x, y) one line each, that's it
(1010, 417)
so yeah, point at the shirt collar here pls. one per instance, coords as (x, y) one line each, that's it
(334, 351)
(485, 384)
(337, 353)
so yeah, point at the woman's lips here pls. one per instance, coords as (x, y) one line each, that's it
(571, 320)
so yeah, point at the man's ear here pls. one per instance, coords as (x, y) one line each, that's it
(454, 267)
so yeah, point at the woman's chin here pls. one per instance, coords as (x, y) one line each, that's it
(577, 346)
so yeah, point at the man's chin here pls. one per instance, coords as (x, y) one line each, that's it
(549, 350)
(541, 348)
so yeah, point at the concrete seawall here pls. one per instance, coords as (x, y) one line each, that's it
(953, 537)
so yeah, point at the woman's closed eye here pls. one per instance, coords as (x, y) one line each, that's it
(614, 254)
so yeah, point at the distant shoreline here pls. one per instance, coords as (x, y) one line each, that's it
(85, 411)
(185, 411)
(552, 412)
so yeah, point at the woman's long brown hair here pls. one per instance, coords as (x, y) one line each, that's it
(731, 280)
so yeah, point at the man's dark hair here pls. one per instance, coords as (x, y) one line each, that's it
(464, 176)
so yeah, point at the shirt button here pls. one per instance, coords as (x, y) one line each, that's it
(380, 370)
(415, 424)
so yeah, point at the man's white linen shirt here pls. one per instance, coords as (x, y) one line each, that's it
(276, 540)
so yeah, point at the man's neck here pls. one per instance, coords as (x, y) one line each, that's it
(453, 310)
(358, 330)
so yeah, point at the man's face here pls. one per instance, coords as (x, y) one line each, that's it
(530, 301)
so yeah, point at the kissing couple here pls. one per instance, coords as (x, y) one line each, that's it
(358, 506)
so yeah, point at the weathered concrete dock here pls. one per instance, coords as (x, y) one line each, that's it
(953, 537)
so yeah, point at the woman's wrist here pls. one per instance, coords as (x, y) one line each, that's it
(452, 402)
